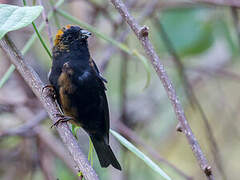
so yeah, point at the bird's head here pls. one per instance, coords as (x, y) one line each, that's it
(70, 36)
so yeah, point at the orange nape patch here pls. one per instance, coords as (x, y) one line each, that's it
(58, 37)
(60, 33)
(68, 26)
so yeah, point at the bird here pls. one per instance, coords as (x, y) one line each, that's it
(80, 90)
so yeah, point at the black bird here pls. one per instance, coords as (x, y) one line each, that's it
(80, 89)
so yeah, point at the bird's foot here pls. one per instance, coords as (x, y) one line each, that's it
(62, 119)
(51, 92)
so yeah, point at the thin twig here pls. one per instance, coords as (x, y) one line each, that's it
(235, 16)
(56, 19)
(176, 59)
(29, 44)
(50, 37)
(40, 36)
(36, 85)
(192, 97)
(142, 35)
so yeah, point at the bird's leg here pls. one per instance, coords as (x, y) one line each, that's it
(51, 91)
(62, 119)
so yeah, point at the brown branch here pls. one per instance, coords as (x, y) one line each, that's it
(235, 16)
(36, 85)
(142, 35)
(56, 20)
(192, 97)
(177, 61)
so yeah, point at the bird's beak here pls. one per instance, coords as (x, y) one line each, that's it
(85, 33)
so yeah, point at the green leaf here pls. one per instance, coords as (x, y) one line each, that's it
(146, 66)
(188, 30)
(15, 17)
(90, 152)
(28, 44)
(74, 130)
(138, 153)
(6, 76)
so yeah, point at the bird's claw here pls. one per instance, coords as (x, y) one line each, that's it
(51, 91)
(62, 119)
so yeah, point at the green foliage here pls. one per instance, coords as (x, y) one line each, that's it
(39, 36)
(144, 61)
(188, 30)
(7, 75)
(15, 17)
(90, 152)
(139, 154)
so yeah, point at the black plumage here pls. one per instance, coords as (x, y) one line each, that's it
(80, 89)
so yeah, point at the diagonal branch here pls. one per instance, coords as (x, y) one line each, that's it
(36, 85)
(192, 96)
(142, 35)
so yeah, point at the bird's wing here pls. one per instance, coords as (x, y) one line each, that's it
(103, 97)
(104, 106)
(94, 66)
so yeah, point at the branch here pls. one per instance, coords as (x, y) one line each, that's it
(36, 85)
(142, 34)
(192, 96)
(235, 16)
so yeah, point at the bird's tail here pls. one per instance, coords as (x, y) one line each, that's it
(104, 153)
